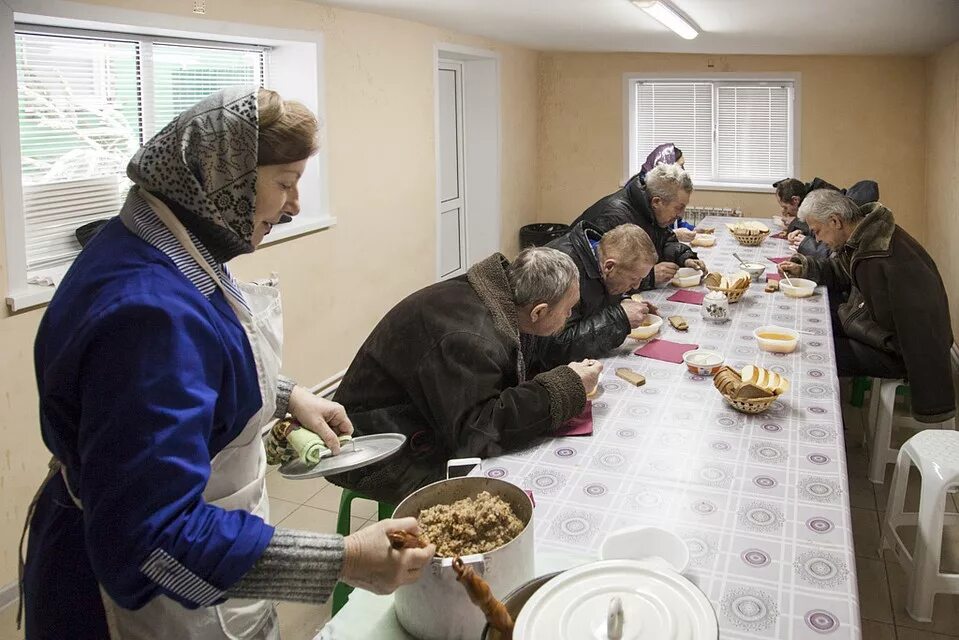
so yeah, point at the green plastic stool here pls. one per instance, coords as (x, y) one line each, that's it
(342, 591)
(860, 384)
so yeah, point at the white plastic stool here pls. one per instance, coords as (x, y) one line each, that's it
(879, 424)
(936, 454)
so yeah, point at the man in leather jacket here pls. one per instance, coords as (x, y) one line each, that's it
(654, 208)
(610, 264)
(895, 323)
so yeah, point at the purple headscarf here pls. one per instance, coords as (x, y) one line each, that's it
(663, 154)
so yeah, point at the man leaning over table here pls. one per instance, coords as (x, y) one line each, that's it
(895, 323)
(447, 368)
(610, 264)
(654, 207)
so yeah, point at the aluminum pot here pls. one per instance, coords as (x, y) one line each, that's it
(436, 607)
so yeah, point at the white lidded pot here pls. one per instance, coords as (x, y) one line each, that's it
(617, 600)
(635, 592)
(437, 607)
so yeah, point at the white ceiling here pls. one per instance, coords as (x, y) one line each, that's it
(726, 26)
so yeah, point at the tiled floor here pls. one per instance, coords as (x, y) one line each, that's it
(313, 505)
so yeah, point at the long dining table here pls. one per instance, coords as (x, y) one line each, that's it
(762, 501)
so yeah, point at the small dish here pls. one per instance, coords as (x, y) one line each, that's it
(702, 362)
(776, 339)
(800, 287)
(687, 277)
(647, 330)
(753, 269)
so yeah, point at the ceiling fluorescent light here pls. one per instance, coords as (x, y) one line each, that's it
(669, 17)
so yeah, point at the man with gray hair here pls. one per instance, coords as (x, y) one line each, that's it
(445, 367)
(654, 208)
(610, 264)
(896, 322)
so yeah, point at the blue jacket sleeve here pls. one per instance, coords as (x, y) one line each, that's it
(149, 384)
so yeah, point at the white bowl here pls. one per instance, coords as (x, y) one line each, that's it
(800, 287)
(702, 362)
(646, 544)
(647, 331)
(754, 269)
(776, 339)
(687, 277)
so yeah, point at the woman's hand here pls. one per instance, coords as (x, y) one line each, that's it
(325, 418)
(371, 563)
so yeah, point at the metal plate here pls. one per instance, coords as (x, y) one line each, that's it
(359, 452)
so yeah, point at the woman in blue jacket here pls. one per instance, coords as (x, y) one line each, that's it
(157, 372)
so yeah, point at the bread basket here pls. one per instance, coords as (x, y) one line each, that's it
(734, 292)
(749, 238)
(756, 405)
(749, 233)
(733, 388)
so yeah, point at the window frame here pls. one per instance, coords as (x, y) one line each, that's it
(715, 79)
(295, 58)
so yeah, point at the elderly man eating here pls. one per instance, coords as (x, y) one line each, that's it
(896, 322)
(610, 264)
(654, 208)
(446, 368)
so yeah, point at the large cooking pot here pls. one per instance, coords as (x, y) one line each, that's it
(437, 607)
(607, 599)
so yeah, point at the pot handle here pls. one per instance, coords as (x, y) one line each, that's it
(461, 462)
(478, 561)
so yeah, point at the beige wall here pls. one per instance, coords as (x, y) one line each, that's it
(942, 176)
(862, 117)
(336, 283)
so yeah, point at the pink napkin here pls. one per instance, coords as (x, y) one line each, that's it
(689, 297)
(778, 260)
(581, 425)
(774, 276)
(665, 350)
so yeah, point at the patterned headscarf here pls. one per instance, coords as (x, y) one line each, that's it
(663, 154)
(203, 166)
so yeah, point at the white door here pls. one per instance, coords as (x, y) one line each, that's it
(452, 224)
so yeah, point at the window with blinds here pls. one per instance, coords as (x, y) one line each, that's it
(730, 132)
(87, 101)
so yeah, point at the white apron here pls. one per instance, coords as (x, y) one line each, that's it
(237, 480)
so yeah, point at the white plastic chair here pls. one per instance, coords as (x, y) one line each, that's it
(881, 419)
(936, 454)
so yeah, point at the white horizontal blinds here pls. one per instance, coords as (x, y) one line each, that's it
(183, 75)
(677, 112)
(79, 125)
(753, 141)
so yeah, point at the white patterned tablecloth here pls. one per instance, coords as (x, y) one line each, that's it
(761, 501)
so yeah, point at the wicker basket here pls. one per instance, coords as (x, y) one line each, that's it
(757, 405)
(750, 240)
(733, 295)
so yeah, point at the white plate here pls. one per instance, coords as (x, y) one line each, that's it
(358, 452)
(658, 604)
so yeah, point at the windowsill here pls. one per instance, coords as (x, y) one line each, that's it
(733, 186)
(292, 230)
(34, 295)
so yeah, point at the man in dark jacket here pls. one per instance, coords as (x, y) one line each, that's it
(445, 368)
(790, 193)
(610, 264)
(896, 322)
(653, 208)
